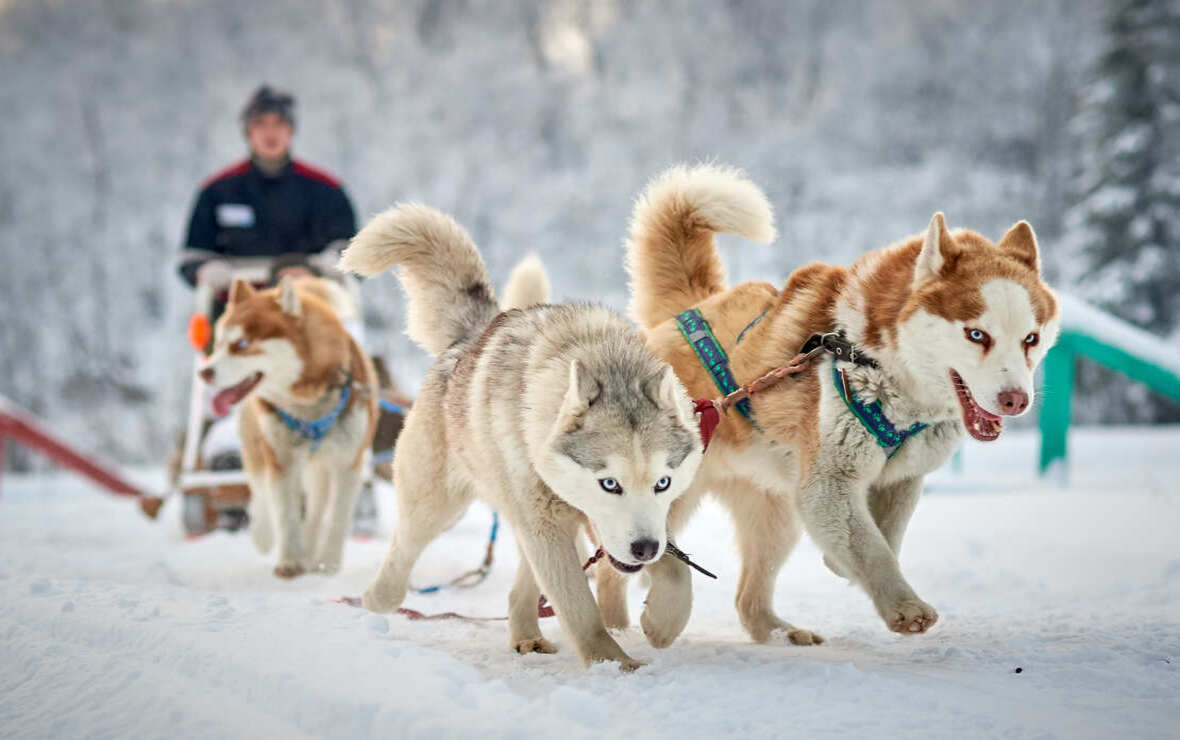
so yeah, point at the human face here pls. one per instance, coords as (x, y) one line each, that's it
(269, 135)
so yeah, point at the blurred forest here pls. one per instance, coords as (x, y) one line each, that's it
(535, 123)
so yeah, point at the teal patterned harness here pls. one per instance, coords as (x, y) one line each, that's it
(873, 419)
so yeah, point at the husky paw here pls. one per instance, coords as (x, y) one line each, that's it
(767, 628)
(379, 600)
(630, 665)
(797, 636)
(661, 633)
(534, 645)
(289, 569)
(910, 617)
(666, 611)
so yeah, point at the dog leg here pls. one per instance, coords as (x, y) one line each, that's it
(261, 522)
(317, 491)
(554, 559)
(344, 488)
(612, 595)
(892, 506)
(669, 600)
(836, 512)
(768, 529)
(286, 500)
(524, 628)
(425, 507)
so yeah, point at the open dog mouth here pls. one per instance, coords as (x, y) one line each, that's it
(624, 567)
(227, 397)
(980, 423)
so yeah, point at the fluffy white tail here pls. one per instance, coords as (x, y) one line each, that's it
(528, 285)
(449, 293)
(671, 255)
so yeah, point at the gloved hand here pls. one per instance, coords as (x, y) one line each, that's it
(215, 274)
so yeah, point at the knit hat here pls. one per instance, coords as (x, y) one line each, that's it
(266, 99)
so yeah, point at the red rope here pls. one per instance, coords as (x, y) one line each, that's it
(544, 609)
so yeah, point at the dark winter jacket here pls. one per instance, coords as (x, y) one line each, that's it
(242, 212)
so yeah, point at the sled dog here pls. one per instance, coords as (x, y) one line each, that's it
(947, 329)
(556, 415)
(310, 412)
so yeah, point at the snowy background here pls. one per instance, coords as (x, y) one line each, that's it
(535, 123)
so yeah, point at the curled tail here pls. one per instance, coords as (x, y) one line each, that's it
(671, 255)
(528, 285)
(449, 293)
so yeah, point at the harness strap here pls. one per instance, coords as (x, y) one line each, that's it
(699, 336)
(873, 418)
(317, 429)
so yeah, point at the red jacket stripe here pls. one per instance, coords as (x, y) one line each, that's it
(233, 170)
(311, 173)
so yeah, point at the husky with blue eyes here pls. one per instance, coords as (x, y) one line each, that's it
(559, 416)
(919, 344)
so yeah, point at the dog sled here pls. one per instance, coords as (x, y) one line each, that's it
(206, 470)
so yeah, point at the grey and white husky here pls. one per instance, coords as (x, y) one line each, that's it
(558, 416)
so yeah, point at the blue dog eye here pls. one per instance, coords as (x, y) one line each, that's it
(610, 485)
(663, 483)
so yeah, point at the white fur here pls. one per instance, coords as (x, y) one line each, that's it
(720, 197)
(528, 285)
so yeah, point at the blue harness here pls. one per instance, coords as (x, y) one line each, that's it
(317, 429)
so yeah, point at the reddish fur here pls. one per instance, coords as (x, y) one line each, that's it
(322, 343)
(788, 412)
(680, 265)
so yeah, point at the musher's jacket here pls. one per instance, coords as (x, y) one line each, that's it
(242, 212)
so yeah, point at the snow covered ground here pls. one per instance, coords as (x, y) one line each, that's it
(113, 626)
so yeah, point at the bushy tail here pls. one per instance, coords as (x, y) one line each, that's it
(671, 255)
(449, 293)
(528, 285)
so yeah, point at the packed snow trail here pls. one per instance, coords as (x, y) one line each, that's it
(114, 626)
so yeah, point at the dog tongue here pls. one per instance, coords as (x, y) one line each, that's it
(227, 397)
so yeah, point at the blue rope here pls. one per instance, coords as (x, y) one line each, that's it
(471, 577)
(391, 407)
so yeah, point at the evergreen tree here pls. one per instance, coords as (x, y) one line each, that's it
(1126, 220)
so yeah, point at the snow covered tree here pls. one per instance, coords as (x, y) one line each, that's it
(1125, 222)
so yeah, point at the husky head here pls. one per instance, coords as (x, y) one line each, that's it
(622, 449)
(261, 346)
(977, 322)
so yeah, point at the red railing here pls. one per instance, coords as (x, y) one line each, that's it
(21, 426)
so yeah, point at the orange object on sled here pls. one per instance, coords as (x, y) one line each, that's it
(199, 331)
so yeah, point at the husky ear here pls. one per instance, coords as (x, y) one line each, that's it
(583, 391)
(667, 393)
(288, 298)
(240, 291)
(937, 248)
(1020, 242)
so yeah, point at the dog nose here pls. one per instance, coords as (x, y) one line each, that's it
(1012, 402)
(644, 550)
(206, 374)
